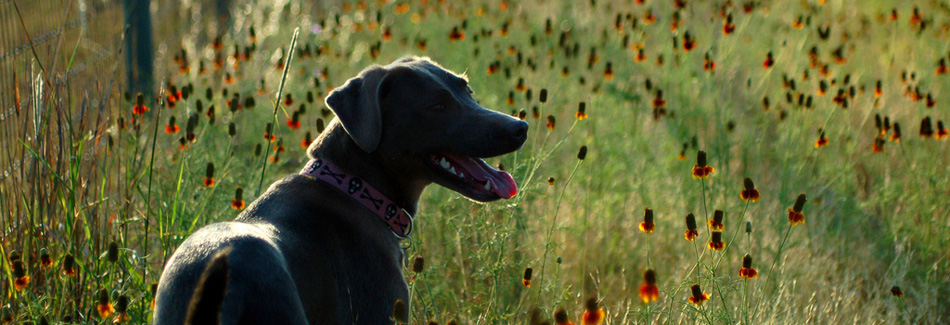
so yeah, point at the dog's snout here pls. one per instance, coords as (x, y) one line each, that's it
(518, 130)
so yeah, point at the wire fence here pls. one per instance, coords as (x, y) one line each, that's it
(63, 74)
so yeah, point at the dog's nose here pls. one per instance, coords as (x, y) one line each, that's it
(518, 130)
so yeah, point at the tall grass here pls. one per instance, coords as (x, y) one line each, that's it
(78, 179)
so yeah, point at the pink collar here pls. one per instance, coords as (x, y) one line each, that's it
(399, 221)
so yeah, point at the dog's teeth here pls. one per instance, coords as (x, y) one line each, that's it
(461, 175)
(488, 186)
(444, 163)
(452, 170)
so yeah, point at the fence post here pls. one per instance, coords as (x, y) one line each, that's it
(223, 8)
(138, 46)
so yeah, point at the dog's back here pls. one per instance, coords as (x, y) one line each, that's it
(250, 247)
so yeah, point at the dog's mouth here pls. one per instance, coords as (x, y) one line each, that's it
(473, 177)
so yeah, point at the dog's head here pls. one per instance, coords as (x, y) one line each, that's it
(421, 119)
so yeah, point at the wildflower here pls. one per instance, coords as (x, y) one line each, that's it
(747, 271)
(69, 265)
(649, 291)
(139, 108)
(456, 34)
(716, 242)
(608, 72)
(728, 27)
(647, 225)
(688, 42)
(121, 310)
(926, 128)
(750, 193)
(691, 231)
(716, 222)
(896, 291)
(708, 64)
(268, 135)
(878, 145)
(526, 279)
(399, 312)
(877, 89)
(560, 317)
(209, 175)
(112, 254)
(294, 122)
(237, 203)
(551, 180)
(307, 140)
(581, 111)
(896, 136)
(748, 227)
(511, 98)
(797, 24)
(171, 127)
(769, 61)
(522, 115)
(154, 290)
(19, 273)
(320, 125)
(45, 259)
(641, 56)
(418, 264)
(593, 315)
(103, 306)
(543, 96)
(658, 101)
(582, 153)
(942, 131)
(698, 296)
(822, 139)
(701, 170)
(795, 215)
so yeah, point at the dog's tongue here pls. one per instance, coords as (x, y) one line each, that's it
(501, 182)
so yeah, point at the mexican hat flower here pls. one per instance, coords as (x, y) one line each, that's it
(795, 215)
(749, 193)
(747, 271)
(698, 296)
(647, 225)
(649, 292)
(701, 170)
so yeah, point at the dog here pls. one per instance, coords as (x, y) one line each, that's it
(323, 246)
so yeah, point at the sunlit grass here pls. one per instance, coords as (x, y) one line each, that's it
(873, 220)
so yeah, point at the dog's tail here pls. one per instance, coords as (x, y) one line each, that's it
(205, 305)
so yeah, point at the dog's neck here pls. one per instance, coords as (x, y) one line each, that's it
(335, 145)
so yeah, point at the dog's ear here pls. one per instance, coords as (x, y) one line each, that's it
(357, 104)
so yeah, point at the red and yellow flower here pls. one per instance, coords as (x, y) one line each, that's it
(647, 225)
(747, 271)
(593, 315)
(649, 292)
(795, 215)
(750, 193)
(701, 170)
(716, 223)
(698, 296)
(691, 231)
(716, 242)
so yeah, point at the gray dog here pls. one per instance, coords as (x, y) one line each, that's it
(323, 246)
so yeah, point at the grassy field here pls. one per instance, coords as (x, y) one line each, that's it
(832, 100)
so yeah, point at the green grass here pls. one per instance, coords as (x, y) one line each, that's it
(873, 220)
